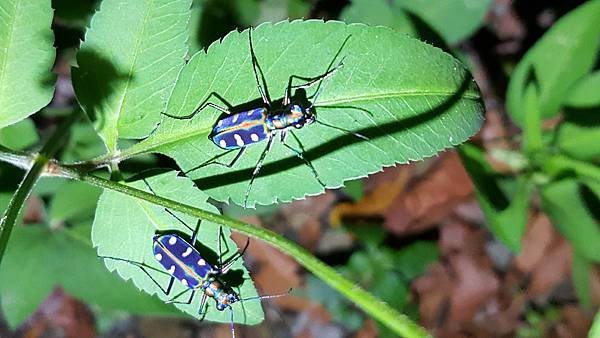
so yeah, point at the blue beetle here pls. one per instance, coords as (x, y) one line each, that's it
(182, 261)
(237, 131)
(240, 130)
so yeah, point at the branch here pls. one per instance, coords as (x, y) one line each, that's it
(396, 321)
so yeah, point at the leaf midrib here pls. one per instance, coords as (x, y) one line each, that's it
(129, 78)
(326, 103)
(149, 144)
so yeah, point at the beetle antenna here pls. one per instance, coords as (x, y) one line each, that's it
(346, 131)
(339, 51)
(321, 86)
(268, 296)
(231, 325)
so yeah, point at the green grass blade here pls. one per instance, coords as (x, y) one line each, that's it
(410, 99)
(128, 64)
(26, 58)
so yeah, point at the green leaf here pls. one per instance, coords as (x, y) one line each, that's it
(124, 227)
(390, 288)
(84, 143)
(454, 20)
(584, 93)
(19, 136)
(26, 58)
(595, 330)
(503, 200)
(579, 134)
(565, 205)
(413, 260)
(532, 128)
(340, 309)
(73, 201)
(378, 12)
(581, 278)
(557, 61)
(354, 189)
(38, 260)
(128, 64)
(298, 9)
(410, 99)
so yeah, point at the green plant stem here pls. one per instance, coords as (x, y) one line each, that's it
(393, 319)
(532, 131)
(559, 163)
(396, 321)
(37, 166)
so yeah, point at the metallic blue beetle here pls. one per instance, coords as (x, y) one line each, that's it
(184, 263)
(243, 129)
(237, 131)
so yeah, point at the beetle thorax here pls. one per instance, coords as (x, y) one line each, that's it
(292, 116)
(222, 295)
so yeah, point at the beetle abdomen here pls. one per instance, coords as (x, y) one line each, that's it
(181, 260)
(239, 130)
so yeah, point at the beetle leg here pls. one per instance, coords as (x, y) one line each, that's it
(299, 154)
(194, 231)
(213, 161)
(203, 106)
(258, 166)
(310, 81)
(283, 135)
(143, 267)
(202, 306)
(264, 93)
(224, 267)
(189, 301)
(219, 249)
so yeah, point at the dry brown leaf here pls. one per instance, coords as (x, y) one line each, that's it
(390, 183)
(540, 236)
(34, 210)
(63, 315)
(458, 237)
(595, 285)
(433, 291)
(552, 269)
(475, 284)
(574, 323)
(368, 330)
(304, 217)
(276, 272)
(432, 199)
